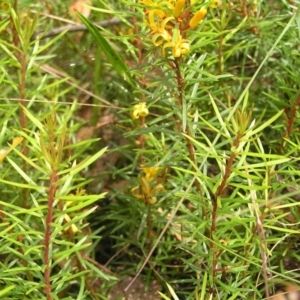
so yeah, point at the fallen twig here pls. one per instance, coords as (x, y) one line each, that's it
(73, 28)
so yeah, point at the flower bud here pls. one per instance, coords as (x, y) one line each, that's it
(178, 8)
(198, 17)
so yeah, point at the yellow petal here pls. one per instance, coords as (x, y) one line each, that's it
(215, 3)
(17, 141)
(152, 200)
(136, 193)
(67, 218)
(181, 47)
(150, 172)
(158, 188)
(146, 189)
(3, 153)
(159, 14)
(139, 110)
(74, 228)
(160, 37)
(166, 45)
(135, 114)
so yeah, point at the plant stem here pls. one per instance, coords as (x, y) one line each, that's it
(215, 201)
(51, 197)
(290, 119)
(180, 82)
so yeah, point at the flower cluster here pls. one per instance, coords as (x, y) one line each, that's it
(145, 190)
(139, 110)
(73, 227)
(168, 21)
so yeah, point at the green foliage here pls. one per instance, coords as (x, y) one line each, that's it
(197, 149)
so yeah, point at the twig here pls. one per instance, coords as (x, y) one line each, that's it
(261, 236)
(60, 74)
(74, 28)
(49, 220)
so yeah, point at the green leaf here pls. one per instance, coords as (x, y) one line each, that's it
(86, 162)
(24, 186)
(172, 292)
(263, 126)
(6, 290)
(204, 283)
(265, 164)
(164, 296)
(286, 230)
(113, 56)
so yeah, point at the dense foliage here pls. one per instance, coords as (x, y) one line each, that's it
(149, 141)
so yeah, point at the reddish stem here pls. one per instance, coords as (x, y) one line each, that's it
(51, 197)
(180, 83)
(290, 119)
(215, 201)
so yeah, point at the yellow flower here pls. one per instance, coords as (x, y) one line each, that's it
(168, 21)
(215, 3)
(155, 14)
(224, 242)
(139, 110)
(160, 31)
(145, 192)
(179, 47)
(150, 172)
(198, 17)
(74, 228)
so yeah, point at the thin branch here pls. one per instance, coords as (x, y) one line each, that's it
(47, 253)
(74, 28)
(261, 235)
